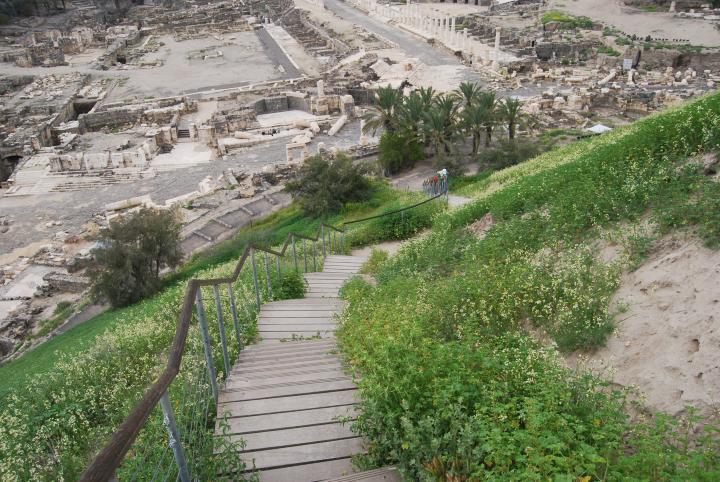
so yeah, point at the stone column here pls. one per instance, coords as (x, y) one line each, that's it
(363, 138)
(453, 33)
(496, 60)
(321, 88)
(673, 6)
(465, 39)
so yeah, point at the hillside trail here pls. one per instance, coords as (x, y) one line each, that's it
(413, 179)
(289, 397)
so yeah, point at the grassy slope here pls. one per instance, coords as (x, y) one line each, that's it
(63, 399)
(45, 356)
(473, 396)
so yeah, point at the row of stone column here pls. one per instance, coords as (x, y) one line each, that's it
(442, 29)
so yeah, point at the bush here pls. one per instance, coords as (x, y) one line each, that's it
(291, 286)
(509, 153)
(398, 152)
(396, 226)
(322, 187)
(132, 252)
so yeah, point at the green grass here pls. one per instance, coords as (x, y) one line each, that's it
(459, 182)
(608, 51)
(566, 21)
(61, 401)
(42, 359)
(473, 395)
(610, 31)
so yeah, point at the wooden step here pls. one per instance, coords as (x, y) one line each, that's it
(287, 400)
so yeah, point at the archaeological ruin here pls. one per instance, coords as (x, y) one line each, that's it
(207, 107)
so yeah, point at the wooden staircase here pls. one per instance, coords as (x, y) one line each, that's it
(289, 398)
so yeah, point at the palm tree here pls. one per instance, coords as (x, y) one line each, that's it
(489, 103)
(474, 118)
(383, 112)
(510, 112)
(410, 116)
(427, 95)
(434, 130)
(468, 93)
(439, 124)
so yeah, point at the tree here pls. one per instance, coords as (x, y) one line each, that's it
(468, 93)
(382, 114)
(474, 118)
(439, 124)
(510, 112)
(131, 253)
(410, 116)
(398, 151)
(322, 187)
(489, 103)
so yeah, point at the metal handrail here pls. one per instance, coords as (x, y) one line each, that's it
(397, 210)
(106, 462)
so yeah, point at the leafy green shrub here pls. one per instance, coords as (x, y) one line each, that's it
(323, 186)
(377, 257)
(131, 253)
(398, 152)
(291, 286)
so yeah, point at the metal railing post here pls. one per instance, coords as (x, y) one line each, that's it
(305, 253)
(277, 261)
(267, 275)
(174, 438)
(342, 241)
(221, 327)
(314, 255)
(236, 319)
(255, 278)
(297, 270)
(206, 344)
(322, 233)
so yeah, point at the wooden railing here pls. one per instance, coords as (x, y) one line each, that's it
(104, 465)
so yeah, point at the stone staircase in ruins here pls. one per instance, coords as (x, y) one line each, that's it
(288, 395)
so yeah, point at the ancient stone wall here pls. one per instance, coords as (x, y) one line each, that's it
(94, 121)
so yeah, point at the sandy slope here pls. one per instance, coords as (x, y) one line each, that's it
(668, 341)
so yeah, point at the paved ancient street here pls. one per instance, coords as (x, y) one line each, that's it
(412, 45)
